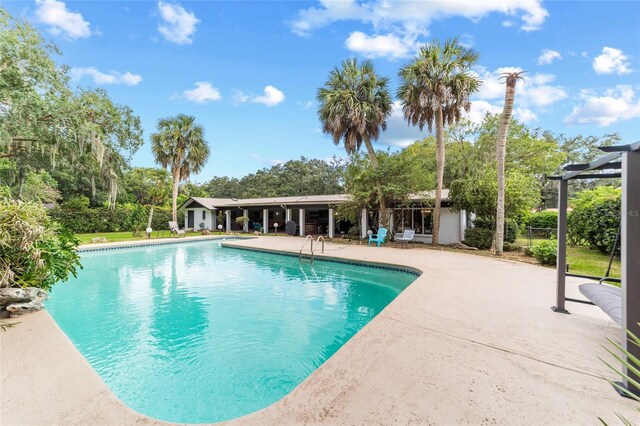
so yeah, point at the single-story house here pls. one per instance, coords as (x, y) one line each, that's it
(315, 215)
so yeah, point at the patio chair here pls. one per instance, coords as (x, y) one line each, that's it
(175, 229)
(407, 236)
(378, 238)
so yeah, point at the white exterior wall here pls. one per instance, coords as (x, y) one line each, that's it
(197, 218)
(451, 228)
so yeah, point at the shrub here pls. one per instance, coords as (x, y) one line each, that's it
(511, 231)
(595, 218)
(511, 227)
(34, 250)
(543, 219)
(480, 238)
(546, 252)
(102, 219)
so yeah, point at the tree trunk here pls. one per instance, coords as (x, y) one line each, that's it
(93, 190)
(174, 207)
(501, 147)
(150, 217)
(384, 215)
(440, 175)
(22, 176)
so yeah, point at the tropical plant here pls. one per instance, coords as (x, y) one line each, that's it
(434, 90)
(354, 106)
(34, 250)
(630, 371)
(501, 143)
(179, 144)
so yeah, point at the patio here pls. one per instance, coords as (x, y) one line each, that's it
(470, 341)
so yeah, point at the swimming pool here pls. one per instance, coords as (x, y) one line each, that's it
(196, 333)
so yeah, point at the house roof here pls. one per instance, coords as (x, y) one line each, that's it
(217, 203)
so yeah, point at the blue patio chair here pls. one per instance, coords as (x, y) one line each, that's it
(378, 238)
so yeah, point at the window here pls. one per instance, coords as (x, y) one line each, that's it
(418, 219)
(204, 215)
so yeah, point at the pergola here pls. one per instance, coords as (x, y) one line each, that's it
(622, 304)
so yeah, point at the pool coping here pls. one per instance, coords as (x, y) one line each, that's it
(160, 242)
(354, 369)
(332, 259)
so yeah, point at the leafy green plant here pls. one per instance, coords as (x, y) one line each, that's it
(511, 227)
(543, 219)
(242, 220)
(34, 250)
(546, 252)
(480, 238)
(631, 363)
(595, 218)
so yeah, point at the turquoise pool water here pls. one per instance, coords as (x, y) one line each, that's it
(196, 333)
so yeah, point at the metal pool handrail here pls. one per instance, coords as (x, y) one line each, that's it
(302, 248)
(320, 237)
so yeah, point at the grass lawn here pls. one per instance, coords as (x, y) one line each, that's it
(583, 260)
(113, 237)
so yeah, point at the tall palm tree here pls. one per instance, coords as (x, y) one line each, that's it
(434, 89)
(354, 106)
(501, 149)
(180, 145)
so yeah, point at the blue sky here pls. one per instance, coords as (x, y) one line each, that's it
(249, 70)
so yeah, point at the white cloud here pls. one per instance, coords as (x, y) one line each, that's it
(548, 56)
(271, 97)
(398, 132)
(525, 115)
(203, 92)
(305, 105)
(534, 91)
(99, 77)
(379, 46)
(61, 20)
(480, 108)
(178, 25)
(399, 25)
(611, 61)
(617, 104)
(413, 18)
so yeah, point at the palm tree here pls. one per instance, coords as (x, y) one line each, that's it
(435, 88)
(501, 148)
(354, 106)
(180, 145)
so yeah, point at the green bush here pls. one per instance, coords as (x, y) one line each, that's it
(34, 250)
(480, 238)
(546, 252)
(511, 227)
(595, 218)
(102, 219)
(543, 219)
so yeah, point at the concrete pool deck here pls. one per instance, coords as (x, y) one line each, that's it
(471, 341)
